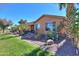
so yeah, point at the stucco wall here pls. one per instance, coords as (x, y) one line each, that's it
(44, 20)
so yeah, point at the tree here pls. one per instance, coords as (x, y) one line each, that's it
(60, 26)
(69, 9)
(23, 25)
(72, 21)
(75, 27)
(4, 24)
(22, 21)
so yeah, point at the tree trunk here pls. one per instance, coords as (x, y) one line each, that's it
(70, 20)
(3, 30)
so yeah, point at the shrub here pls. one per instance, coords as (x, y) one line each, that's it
(38, 52)
(37, 36)
(52, 35)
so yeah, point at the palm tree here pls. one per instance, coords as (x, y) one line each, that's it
(75, 27)
(22, 21)
(69, 9)
(71, 27)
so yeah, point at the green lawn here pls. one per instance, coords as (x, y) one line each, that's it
(13, 46)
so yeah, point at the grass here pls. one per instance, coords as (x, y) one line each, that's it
(13, 46)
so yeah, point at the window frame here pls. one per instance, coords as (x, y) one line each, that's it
(37, 26)
(53, 24)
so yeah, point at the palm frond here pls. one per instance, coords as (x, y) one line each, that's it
(62, 5)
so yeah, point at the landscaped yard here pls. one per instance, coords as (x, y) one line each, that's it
(11, 45)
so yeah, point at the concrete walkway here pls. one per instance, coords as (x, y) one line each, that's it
(67, 49)
(39, 43)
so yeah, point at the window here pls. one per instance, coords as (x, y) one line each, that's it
(50, 26)
(37, 26)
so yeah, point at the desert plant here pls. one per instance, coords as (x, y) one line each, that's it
(37, 35)
(52, 35)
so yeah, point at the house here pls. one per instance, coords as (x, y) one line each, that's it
(47, 22)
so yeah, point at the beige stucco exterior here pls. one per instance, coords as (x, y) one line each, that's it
(46, 18)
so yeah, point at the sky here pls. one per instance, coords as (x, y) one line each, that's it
(28, 11)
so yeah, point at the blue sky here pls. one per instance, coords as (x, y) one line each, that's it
(28, 11)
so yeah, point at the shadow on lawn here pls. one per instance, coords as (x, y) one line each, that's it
(5, 38)
(38, 52)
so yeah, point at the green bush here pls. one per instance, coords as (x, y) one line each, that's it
(37, 36)
(38, 52)
(52, 35)
(44, 53)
